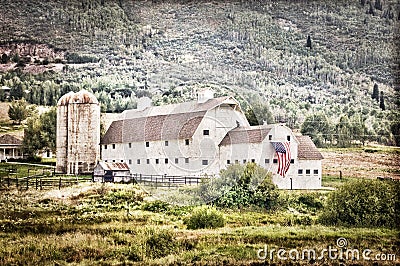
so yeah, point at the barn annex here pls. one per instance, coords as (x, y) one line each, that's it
(204, 136)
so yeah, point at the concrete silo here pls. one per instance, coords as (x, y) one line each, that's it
(78, 133)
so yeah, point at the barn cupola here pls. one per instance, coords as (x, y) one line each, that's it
(204, 95)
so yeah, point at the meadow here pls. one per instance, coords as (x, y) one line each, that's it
(119, 224)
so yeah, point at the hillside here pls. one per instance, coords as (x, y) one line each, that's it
(255, 50)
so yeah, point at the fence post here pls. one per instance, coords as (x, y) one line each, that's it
(36, 183)
(59, 184)
(8, 181)
(27, 183)
(41, 184)
(16, 181)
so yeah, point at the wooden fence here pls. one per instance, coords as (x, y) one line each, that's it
(41, 182)
(167, 181)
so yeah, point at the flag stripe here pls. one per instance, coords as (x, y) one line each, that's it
(282, 150)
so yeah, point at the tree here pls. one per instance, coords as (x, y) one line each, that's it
(363, 203)
(378, 5)
(371, 10)
(40, 132)
(375, 92)
(5, 58)
(19, 110)
(318, 128)
(382, 101)
(258, 113)
(343, 132)
(308, 44)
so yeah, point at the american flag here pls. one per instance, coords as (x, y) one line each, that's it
(283, 152)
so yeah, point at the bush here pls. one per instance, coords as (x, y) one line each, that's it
(161, 244)
(242, 186)
(363, 203)
(155, 206)
(205, 217)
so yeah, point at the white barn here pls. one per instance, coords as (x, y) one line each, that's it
(202, 137)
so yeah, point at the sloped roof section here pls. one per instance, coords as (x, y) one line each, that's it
(153, 128)
(185, 107)
(254, 134)
(114, 166)
(8, 139)
(307, 149)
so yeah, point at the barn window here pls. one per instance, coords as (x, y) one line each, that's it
(266, 161)
(275, 161)
(166, 143)
(113, 146)
(186, 142)
(228, 161)
(291, 160)
(253, 160)
(204, 162)
(206, 132)
(138, 161)
(176, 160)
(113, 161)
(270, 137)
(130, 161)
(244, 160)
(147, 144)
(186, 160)
(105, 160)
(105, 147)
(130, 145)
(166, 160)
(148, 161)
(315, 171)
(288, 138)
(157, 161)
(236, 161)
(300, 171)
(308, 171)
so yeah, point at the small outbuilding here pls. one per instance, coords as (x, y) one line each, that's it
(111, 172)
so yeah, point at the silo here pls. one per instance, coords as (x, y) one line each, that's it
(78, 133)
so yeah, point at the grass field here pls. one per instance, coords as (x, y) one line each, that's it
(109, 224)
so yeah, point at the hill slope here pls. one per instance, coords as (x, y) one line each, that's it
(238, 47)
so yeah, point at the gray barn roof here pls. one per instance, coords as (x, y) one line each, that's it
(255, 134)
(152, 128)
(307, 149)
(174, 121)
(8, 139)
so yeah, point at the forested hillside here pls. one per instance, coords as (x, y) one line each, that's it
(327, 68)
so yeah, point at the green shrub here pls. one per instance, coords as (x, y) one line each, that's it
(363, 203)
(156, 206)
(205, 217)
(160, 244)
(243, 186)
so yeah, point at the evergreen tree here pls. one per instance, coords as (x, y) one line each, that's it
(308, 44)
(378, 5)
(371, 10)
(375, 92)
(382, 101)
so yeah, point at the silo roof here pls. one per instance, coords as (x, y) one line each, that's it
(80, 97)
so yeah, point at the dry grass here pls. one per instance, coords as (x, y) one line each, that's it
(91, 225)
